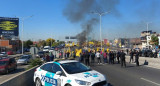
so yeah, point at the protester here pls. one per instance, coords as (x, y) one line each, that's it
(47, 58)
(110, 57)
(87, 58)
(51, 56)
(105, 57)
(131, 56)
(98, 57)
(123, 61)
(137, 58)
(118, 56)
(92, 57)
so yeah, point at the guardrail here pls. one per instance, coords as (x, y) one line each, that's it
(23, 79)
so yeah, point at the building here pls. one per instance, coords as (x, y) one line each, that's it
(135, 43)
(7, 45)
(146, 38)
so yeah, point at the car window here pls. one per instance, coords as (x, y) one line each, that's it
(56, 68)
(47, 67)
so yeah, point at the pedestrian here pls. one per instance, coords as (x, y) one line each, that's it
(51, 56)
(123, 61)
(47, 58)
(68, 54)
(92, 57)
(110, 57)
(87, 58)
(131, 56)
(105, 57)
(159, 53)
(137, 58)
(98, 57)
(74, 54)
(118, 56)
(127, 51)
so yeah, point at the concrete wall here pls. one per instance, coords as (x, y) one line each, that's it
(23, 79)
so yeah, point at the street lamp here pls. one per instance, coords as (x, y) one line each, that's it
(23, 18)
(147, 23)
(100, 15)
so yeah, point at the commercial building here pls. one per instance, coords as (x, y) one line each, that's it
(146, 38)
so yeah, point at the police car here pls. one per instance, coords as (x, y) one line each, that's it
(67, 73)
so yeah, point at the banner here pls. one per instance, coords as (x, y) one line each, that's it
(9, 27)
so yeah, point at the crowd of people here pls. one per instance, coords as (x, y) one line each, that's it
(93, 57)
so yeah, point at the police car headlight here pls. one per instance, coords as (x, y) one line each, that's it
(80, 82)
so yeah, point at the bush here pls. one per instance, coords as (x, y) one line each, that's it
(34, 63)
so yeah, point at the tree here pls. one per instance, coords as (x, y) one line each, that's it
(154, 39)
(28, 43)
(49, 40)
(41, 43)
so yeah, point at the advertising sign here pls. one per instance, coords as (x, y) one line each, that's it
(9, 27)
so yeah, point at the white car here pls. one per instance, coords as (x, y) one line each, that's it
(67, 73)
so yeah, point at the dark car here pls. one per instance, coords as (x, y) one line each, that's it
(147, 53)
(7, 64)
(19, 51)
(40, 54)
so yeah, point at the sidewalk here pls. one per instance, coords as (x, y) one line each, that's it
(152, 62)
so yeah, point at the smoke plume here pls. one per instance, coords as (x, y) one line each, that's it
(78, 11)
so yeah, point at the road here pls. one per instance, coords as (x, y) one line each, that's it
(13, 73)
(129, 76)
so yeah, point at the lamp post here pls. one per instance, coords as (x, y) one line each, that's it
(100, 15)
(22, 19)
(147, 23)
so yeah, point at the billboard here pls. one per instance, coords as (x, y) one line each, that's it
(9, 27)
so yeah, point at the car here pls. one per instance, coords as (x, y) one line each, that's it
(46, 48)
(20, 51)
(3, 54)
(24, 59)
(10, 53)
(40, 54)
(7, 64)
(67, 73)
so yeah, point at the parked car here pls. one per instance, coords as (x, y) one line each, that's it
(147, 53)
(7, 64)
(10, 53)
(3, 54)
(40, 54)
(19, 51)
(24, 59)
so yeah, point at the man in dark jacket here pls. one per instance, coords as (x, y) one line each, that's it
(123, 61)
(118, 56)
(131, 56)
(137, 58)
(87, 55)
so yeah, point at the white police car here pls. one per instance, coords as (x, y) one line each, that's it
(67, 73)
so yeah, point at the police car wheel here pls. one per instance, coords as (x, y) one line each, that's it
(38, 82)
(68, 85)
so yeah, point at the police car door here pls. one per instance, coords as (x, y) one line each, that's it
(59, 78)
(47, 75)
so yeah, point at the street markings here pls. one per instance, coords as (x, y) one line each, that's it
(150, 81)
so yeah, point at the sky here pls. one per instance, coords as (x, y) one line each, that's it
(128, 18)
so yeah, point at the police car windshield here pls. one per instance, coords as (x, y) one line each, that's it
(75, 67)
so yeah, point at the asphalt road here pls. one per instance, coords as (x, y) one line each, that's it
(129, 76)
(13, 73)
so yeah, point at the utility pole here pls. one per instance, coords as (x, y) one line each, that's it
(100, 16)
(22, 19)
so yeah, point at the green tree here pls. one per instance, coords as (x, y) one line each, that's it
(28, 43)
(154, 39)
(41, 43)
(49, 40)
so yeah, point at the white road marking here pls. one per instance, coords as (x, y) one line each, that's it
(150, 81)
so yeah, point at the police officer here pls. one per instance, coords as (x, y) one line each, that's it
(123, 61)
(118, 56)
(137, 58)
(131, 56)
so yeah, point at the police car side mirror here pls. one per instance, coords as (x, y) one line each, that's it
(59, 73)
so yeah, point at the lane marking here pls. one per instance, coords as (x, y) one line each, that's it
(150, 81)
